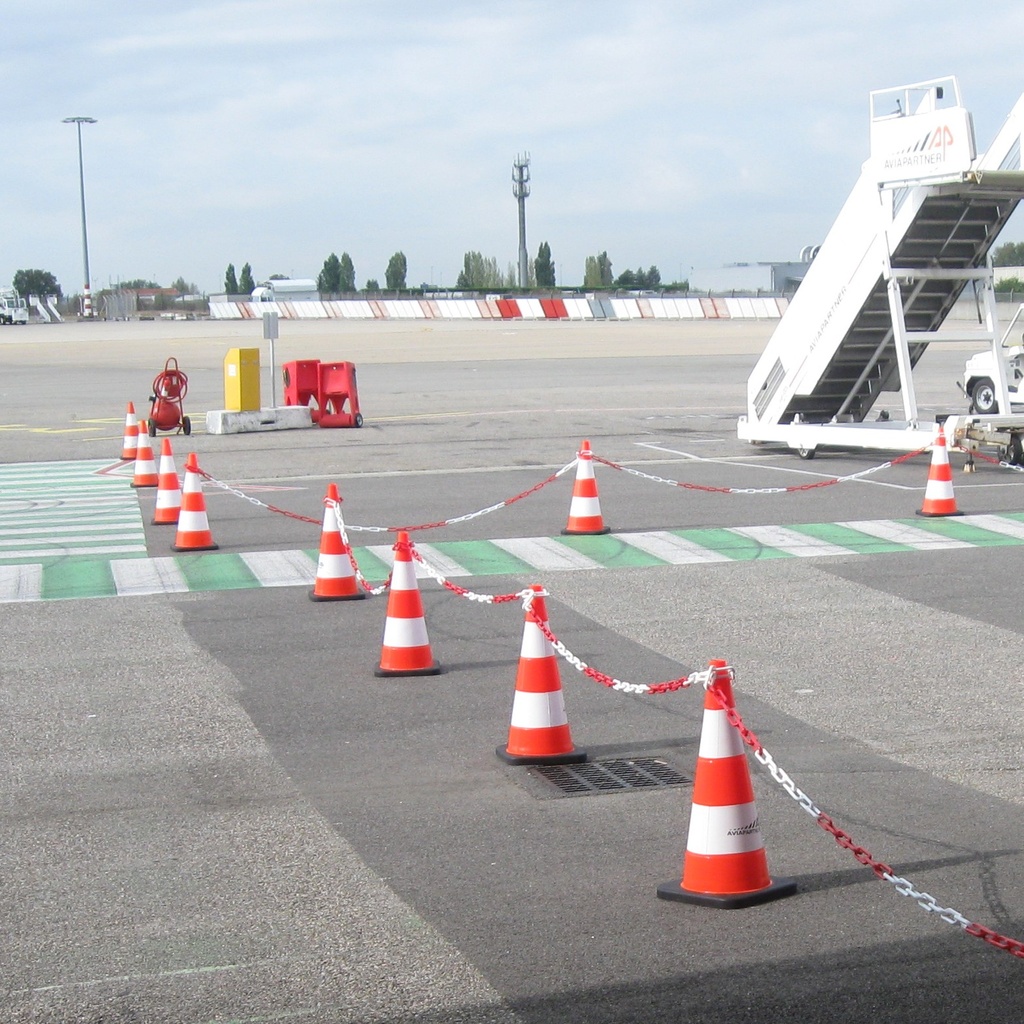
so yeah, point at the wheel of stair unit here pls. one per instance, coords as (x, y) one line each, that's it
(983, 397)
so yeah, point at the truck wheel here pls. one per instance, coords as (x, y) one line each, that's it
(983, 397)
(807, 453)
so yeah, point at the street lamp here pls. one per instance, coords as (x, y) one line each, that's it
(87, 295)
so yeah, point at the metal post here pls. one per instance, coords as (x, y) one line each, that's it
(87, 294)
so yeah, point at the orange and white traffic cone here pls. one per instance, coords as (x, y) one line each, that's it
(145, 465)
(130, 444)
(725, 864)
(938, 494)
(193, 526)
(585, 508)
(168, 492)
(335, 573)
(539, 732)
(405, 650)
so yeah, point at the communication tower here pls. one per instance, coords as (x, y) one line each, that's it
(521, 189)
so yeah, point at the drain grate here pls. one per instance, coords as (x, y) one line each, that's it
(609, 776)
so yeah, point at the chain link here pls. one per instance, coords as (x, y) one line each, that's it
(759, 490)
(904, 887)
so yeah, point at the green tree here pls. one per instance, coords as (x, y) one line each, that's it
(346, 274)
(1010, 254)
(183, 287)
(543, 267)
(480, 272)
(329, 281)
(627, 279)
(598, 271)
(230, 281)
(1010, 284)
(395, 273)
(372, 285)
(36, 282)
(245, 281)
(136, 283)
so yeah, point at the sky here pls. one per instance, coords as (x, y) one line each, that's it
(681, 134)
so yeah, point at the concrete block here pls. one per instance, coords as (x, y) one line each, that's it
(285, 417)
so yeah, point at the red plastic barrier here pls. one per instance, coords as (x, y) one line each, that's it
(560, 311)
(514, 311)
(337, 387)
(708, 308)
(548, 306)
(505, 309)
(301, 380)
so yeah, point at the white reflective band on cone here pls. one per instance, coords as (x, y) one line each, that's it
(721, 830)
(538, 710)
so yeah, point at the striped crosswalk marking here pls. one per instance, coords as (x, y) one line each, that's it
(546, 553)
(58, 509)
(21, 582)
(997, 524)
(670, 548)
(430, 554)
(136, 576)
(280, 568)
(908, 535)
(797, 544)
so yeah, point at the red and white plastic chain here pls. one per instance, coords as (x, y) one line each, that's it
(470, 515)
(759, 490)
(1001, 463)
(360, 578)
(904, 887)
(469, 595)
(256, 501)
(644, 689)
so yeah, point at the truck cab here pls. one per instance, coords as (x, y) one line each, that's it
(980, 375)
(13, 309)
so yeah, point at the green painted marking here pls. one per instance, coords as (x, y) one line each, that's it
(482, 558)
(611, 551)
(847, 537)
(211, 570)
(953, 529)
(372, 567)
(78, 577)
(732, 545)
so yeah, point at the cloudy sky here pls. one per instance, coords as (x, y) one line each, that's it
(682, 134)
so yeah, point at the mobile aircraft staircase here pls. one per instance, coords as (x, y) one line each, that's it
(913, 237)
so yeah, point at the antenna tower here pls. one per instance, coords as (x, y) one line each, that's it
(521, 189)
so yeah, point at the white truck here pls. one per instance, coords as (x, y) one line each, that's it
(13, 309)
(981, 374)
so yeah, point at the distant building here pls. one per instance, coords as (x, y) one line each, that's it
(297, 289)
(750, 278)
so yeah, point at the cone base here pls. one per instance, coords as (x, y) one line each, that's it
(429, 670)
(194, 547)
(164, 522)
(357, 596)
(572, 757)
(937, 515)
(155, 483)
(733, 901)
(586, 533)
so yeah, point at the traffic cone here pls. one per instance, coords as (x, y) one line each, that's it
(539, 733)
(725, 863)
(406, 648)
(129, 446)
(335, 573)
(938, 495)
(585, 509)
(168, 493)
(145, 466)
(193, 527)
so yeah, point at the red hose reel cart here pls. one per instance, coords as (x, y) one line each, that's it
(167, 412)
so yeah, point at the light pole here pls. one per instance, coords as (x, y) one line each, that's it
(87, 294)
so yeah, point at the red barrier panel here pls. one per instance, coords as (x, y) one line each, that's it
(548, 307)
(708, 308)
(337, 382)
(514, 311)
(505, 309)
(560, 311)
(721, 309)
(301, 379)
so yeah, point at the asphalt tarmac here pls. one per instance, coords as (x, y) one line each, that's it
(212, 810)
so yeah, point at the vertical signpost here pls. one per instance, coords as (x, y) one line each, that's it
(270, 334)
